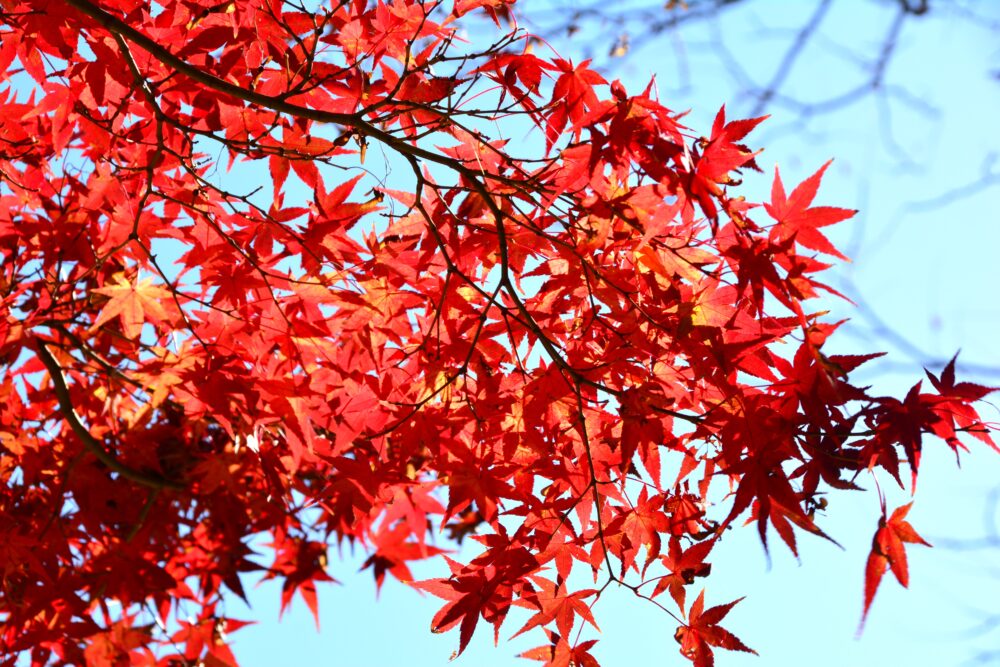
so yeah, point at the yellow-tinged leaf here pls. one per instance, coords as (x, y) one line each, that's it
(714, 306)
(133, 303)
(437, 385)
(11, 443)
(647, 257)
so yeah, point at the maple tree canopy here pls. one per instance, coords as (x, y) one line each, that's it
(556, 329)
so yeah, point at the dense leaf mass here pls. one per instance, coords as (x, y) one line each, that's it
(580, 347)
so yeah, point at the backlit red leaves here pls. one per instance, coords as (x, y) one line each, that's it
(495, 8)
(483, 589)
(554, 603)
(721, 153)
(572, 96)
(560, 653)
(303, 284)
(394, 548)
(204, 640)
(889, 552)
(796, 220)
(720, 156)
(638, 528)
(955, 414)
(684, 565)
(133, 303)
(703, 631)
(302, 564)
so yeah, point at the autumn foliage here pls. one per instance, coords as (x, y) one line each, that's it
(556, 329)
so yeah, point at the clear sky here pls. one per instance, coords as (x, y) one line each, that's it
(925, 248)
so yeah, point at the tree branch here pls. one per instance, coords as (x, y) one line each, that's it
(275, 103)
(89, 441)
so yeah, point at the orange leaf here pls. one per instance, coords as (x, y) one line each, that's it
(133, 304)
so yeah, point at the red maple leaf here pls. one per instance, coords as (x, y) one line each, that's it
(495, 8)
(720, 156)
(133, 302)
(703, 631)
(554, 603)
(572, 96)
(889, 552)
(684, 565)
(796, 220)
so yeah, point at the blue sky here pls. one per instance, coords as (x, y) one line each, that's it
(925, 262)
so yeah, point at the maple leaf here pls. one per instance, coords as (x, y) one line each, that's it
(889, 552)
(302, 563)
(559, 652)
(946, 385)
(638, 527)
(554, 603)
(572, 96)
(495, 8)
(684, 566)
(483, 588)
(132, 303)
(508, 69)
(954, 409)
(796, 220)
(393, 550)
(720, 156)
(703, 631)
(713, 304)
(465, 600)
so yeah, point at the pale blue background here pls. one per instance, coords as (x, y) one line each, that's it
(927, 265)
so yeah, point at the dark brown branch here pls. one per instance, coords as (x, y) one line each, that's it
(274, 103)
(92, 444)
